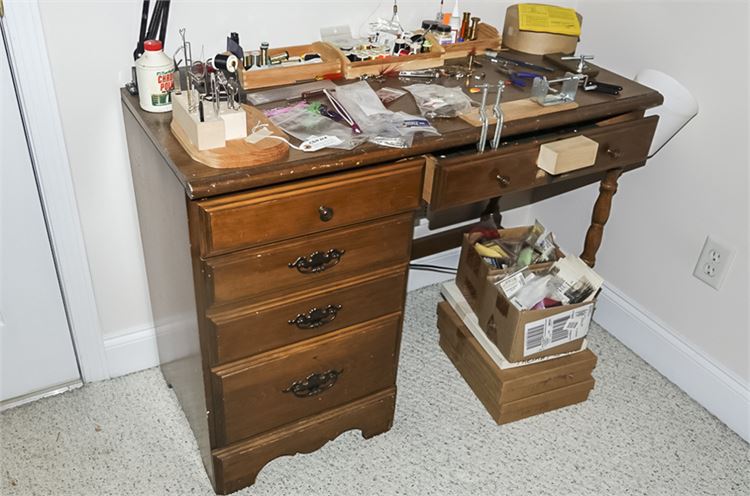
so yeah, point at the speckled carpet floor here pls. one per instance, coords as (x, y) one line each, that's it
(637, 434)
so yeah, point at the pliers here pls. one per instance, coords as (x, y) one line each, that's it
(517, 78)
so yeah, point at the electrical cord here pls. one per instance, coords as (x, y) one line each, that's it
(433, 268)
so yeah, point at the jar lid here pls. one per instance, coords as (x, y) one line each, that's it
(152, 45)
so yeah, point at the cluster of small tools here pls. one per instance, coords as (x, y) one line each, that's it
(214, 80)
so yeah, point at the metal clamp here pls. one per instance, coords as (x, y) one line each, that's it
(497, 111)
(543, 94)
(483, 118)
(581, 61)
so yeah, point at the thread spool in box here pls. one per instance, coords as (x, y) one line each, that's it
(533, 42)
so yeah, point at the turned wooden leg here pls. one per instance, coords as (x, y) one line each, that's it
(599, 217)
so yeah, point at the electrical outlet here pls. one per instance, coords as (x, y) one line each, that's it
(713, 263)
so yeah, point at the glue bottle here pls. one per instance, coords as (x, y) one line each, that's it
(455, 22)
(154, 72)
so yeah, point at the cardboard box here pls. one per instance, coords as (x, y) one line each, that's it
(513, 394)
(527, 334)
(473, 270)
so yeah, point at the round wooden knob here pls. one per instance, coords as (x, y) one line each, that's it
(326, 213)
(503, 180)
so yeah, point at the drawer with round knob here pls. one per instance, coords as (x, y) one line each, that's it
(293, 382)
(243, 220)
(466, 177)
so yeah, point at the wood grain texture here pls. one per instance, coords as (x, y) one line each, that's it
(516, 393)
(600, 215)
(262, 325)
(266, 271)
(252, 395)
(238, 152)
(516, 110)
(201, 181)
(278, 76)
(395, 63)
(488, 38)
(175, 306)
(466, 177)
(282, 212)
(237, 466)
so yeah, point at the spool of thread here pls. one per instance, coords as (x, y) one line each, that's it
(226, 62)
(399, 45)
(247, 60)
(463, 33)
(254, 58)
(264, 61)
(473, 28)
(279, 57)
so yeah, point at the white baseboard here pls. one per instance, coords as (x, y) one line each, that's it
(131, 351)
(421, 278)
(719, 391)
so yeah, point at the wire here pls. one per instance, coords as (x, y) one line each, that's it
(433, 268)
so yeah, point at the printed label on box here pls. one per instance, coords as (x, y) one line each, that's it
(558, 329)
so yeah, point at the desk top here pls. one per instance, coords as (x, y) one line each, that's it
(201, 181)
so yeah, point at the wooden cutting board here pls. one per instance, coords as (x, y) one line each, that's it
(238, 153)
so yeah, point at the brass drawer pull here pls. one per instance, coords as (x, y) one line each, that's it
(314, 384)
(326, 213)
(316, 317)
(614, 153)
(317, 261)
(503, 180)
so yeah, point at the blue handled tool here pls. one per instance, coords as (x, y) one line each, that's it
(518, 78)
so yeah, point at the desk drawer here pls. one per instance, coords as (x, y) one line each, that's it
(287, 384)
(301, 208)
(464, 178)
(309, 262)
(249, 330)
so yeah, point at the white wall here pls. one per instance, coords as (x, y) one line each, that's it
(696, 186)
(90, 47)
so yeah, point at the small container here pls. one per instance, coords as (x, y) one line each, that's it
(154, 72)
(442, 33)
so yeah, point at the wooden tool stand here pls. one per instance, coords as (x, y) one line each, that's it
(278, 290)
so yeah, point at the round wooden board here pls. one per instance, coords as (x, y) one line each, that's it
(237, 153)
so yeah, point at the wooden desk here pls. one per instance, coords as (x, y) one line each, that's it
(278, 291)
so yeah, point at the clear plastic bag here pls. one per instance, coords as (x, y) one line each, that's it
(303, 121)
(437, 101)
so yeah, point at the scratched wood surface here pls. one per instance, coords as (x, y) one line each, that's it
(201, 181)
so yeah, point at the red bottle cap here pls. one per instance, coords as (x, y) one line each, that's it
(152, 45)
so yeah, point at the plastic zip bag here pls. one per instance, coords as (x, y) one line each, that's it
(437, 101)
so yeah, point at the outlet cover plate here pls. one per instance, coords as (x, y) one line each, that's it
(714, 262)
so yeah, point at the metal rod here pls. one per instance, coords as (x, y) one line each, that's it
(499, 117)
(483, 118)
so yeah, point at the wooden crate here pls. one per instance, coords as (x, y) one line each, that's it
(513, 394)
(375, 67)
(277, 75)
(488, 38)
